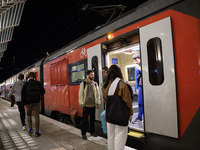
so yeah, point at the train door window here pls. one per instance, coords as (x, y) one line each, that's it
(131, 72)
(155, 61)
(77, 72)
(95, 68)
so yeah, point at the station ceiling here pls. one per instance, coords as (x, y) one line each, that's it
(10, 15)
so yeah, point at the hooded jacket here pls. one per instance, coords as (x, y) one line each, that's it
(83, 91)
(16, 90)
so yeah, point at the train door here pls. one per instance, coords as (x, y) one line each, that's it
(158, 71)
(95, 63)
(120, 52)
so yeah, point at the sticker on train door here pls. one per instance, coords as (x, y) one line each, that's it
(159, 85)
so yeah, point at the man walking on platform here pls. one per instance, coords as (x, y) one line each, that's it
(16, 90)
(31, 93)
(89, 99)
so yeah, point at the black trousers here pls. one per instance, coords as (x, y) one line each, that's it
(22, 112)
(86, 112)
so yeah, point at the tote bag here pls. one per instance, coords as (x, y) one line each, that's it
(117, 112)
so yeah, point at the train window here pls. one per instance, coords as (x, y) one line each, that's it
(131, 72)
(155, 61)
(77, 72)
(95, 68)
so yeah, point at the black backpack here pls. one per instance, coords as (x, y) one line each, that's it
(33, 92)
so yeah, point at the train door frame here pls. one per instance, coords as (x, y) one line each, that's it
(92, 52)
(129, 44)
(159, 96)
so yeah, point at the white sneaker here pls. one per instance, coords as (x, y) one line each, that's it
(23, 127)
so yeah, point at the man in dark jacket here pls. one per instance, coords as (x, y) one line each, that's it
(31, 92)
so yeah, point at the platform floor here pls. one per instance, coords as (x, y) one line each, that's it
(54, 135)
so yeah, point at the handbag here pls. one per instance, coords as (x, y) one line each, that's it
(117, 112)
(103, 121)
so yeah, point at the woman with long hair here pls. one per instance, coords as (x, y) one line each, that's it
(117, 134)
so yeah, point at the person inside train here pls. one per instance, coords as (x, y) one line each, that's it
(31, 93)
(138, 87)
(89, 100)
(16, 90)
(105, 73)
(117, 132)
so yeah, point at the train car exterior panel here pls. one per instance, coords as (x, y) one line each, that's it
(56, 83)
(74, 89)
(186, 35)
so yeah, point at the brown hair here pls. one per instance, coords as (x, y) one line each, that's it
(113, 72)
(31, 74)
(89, 71)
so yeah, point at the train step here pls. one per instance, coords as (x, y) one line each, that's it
(136, 134)
(136, 139)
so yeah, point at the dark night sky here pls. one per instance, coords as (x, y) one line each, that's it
(47, 25)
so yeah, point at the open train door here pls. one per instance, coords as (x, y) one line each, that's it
(159, 85)
(94, 56)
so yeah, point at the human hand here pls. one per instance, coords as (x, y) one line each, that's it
(136, 92)
(97, 107)
(81, 106)
(25, 107)
(139, 68)
(130, 118)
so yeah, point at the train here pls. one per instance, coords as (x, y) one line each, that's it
(166, 34)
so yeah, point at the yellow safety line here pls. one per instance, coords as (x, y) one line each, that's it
(135, 134)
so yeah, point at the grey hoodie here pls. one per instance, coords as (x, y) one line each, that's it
(16, 90)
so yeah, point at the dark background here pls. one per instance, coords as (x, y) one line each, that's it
(47, 25)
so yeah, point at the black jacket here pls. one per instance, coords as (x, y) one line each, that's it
(25, 93)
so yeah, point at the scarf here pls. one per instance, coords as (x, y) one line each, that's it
(113, 86)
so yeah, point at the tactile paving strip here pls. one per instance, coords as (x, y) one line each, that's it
(13, 139)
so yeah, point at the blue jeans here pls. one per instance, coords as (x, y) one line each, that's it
(140, 103)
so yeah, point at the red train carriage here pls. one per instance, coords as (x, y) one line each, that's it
(166, 37)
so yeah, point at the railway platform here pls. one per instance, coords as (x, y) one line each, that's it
(54, 135)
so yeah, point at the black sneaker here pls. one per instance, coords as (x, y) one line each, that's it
(137, 120)
(37, 134)
(84, 137)
(30, 131)
(93, 134)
